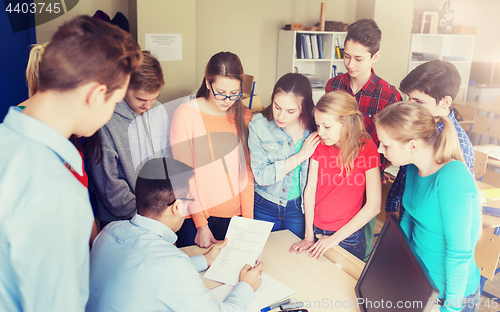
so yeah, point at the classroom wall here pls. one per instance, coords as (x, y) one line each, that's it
(171, 17)
(394, 18)
(45, 31)
(250, 30)
(480, 13)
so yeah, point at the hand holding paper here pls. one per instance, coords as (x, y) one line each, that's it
(246, 239)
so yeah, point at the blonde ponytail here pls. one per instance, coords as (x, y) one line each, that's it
(447, 146)
(407, 121)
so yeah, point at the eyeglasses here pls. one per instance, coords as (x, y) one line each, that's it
(223, 97)
(182, 198)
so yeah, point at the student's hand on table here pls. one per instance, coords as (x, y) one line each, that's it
(204, 237)
(252, 276)
(321, 246)
(310, 144)
(214, 252)
(304, 244)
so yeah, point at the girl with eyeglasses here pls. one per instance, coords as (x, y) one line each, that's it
(210, 134)
(281, 140)
(342, 169)
(442, 218)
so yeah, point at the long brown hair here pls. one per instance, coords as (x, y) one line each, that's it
(406, 121)
(345, 109)
(299, 86)
(227, 64)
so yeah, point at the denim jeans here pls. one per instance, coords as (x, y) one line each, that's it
(187, 233)
(470, 303)
(289, 217)
(355, 244)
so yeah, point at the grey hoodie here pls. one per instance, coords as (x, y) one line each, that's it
(128, 141)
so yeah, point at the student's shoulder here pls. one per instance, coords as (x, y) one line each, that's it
(370, 148)
(258, 121)
(385, 87)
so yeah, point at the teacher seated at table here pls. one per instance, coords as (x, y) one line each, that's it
(135, 266)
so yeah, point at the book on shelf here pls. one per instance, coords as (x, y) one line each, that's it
(298, 46)
(308, 49)
(320, 46)
(314, 45)
(316, 83)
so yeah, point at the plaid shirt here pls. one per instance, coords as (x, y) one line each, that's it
(372, 98)
(398, 187)
(375, 95)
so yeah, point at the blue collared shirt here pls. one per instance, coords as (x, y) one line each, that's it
(270, 146)
(134, 266)
(45, 219)
(398, 187)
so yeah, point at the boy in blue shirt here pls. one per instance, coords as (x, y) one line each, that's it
(434, 85)
(45, 214)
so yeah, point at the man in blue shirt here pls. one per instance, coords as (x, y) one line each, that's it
(434, 85)
(134, 264)
(45, 214)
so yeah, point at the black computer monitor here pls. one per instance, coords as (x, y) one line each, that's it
(394, 276)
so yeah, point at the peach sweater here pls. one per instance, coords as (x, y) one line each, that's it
(210, 144)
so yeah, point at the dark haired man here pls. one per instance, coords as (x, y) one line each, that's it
(135, 266)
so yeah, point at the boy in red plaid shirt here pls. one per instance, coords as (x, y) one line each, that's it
(361, 50)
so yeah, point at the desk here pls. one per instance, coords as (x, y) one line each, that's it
(487, 107)
(491, 160)
(319, 281)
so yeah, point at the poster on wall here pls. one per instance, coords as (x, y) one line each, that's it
(165, 47)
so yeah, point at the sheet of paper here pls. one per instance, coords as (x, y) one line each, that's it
(165, 47)
(392, 170)
(493, 194)
(246, 239)
(269, 292)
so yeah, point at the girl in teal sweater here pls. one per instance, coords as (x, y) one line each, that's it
(442, 220)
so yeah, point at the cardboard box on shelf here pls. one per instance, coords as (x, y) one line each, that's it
(464, 30)
(247, 91)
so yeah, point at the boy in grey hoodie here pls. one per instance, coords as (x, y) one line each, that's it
(137, 132)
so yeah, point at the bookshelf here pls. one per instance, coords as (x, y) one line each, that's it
(456, 49)
(322, 68)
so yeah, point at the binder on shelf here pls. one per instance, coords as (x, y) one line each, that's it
(314, 45)
(308, 46)
(298, 46)
(304, 46)
(337, 50)
(320, 46)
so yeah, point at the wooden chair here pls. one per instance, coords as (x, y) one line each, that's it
(480, 126)
(492, 178)
(480, 162)
(468, 114)
(494, 132)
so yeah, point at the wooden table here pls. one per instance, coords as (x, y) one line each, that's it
(321, 282)
(491, 160)
(487, 107)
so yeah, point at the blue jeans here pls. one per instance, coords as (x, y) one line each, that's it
(187, 233)
(470, 303)
(355, 244)
(289, 217)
